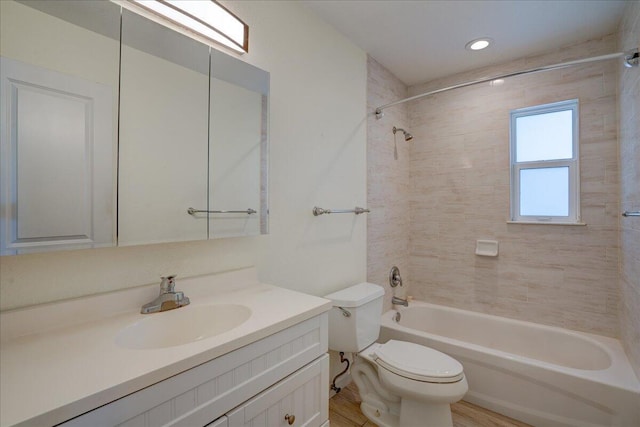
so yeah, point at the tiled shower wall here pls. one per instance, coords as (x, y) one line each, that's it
(387, 179)
(559, 275)
(629, 129)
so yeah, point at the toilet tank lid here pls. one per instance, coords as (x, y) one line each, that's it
(356, 295)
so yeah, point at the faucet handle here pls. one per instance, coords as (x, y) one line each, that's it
(394, 277)
(168, 283)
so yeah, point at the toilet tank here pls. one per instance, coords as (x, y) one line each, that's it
(354, 320)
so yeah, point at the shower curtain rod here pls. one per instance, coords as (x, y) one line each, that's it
(630, 57)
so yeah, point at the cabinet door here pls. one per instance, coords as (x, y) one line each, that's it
(301, 399)
(162, 169)
(238, 146)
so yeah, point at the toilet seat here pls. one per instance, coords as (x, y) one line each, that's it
(416, 362)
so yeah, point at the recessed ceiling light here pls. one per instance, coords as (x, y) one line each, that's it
(478, 44)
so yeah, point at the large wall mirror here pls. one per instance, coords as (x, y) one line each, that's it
(119, 131)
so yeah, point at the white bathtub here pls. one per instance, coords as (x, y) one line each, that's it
(538, 374)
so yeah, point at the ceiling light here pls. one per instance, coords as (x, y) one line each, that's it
(496, 82)
(478, 44)
(206, 18)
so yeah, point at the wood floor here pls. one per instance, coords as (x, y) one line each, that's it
(344, 411)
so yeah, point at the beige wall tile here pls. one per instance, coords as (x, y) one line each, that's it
(557, 275)
(387, 180)
(629, 128)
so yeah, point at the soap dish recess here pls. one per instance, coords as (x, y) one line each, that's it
(487, 247)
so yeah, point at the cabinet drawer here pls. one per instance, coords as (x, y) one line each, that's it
(303, 395)
(202, 394)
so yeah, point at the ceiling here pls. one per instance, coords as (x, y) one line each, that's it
(419, 41)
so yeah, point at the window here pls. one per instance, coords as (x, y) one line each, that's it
(544, 163)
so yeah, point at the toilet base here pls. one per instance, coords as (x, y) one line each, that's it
(414, 413)
(387, 409)
(380, 418)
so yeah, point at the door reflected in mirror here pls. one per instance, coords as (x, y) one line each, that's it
(58, 126)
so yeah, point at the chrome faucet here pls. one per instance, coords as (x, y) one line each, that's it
(399, 301)
(168, 298)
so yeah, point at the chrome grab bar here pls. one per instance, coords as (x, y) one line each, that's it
(249, 211)
(631, 213)
(357, 210)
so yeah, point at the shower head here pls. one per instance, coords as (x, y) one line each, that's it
(407, 135)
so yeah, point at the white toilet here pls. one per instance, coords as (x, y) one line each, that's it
(401, 384)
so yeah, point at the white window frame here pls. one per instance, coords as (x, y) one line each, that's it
(573, 164)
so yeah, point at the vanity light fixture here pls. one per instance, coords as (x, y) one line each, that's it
(478, 44)
(207, 18)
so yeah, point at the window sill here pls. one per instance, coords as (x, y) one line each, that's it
(547, 223)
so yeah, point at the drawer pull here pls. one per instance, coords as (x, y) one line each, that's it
(290, 419)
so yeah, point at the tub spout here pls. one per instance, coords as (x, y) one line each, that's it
(399, 301)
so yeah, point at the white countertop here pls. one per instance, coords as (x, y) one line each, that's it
(60, 360)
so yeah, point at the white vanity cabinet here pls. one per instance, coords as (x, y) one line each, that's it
(299, 400)
(284, 374)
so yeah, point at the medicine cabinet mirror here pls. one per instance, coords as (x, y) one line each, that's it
(113, 126)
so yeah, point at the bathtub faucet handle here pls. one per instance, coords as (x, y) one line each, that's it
(394, 277)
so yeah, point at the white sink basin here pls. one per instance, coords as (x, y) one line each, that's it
(182, 326)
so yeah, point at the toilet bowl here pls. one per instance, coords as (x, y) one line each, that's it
(421, 382)
(401, 384)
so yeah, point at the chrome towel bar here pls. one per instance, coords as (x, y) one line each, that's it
(249, 211)
(631, 213)
(320, 211)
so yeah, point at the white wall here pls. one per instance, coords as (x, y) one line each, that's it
(318, 156)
